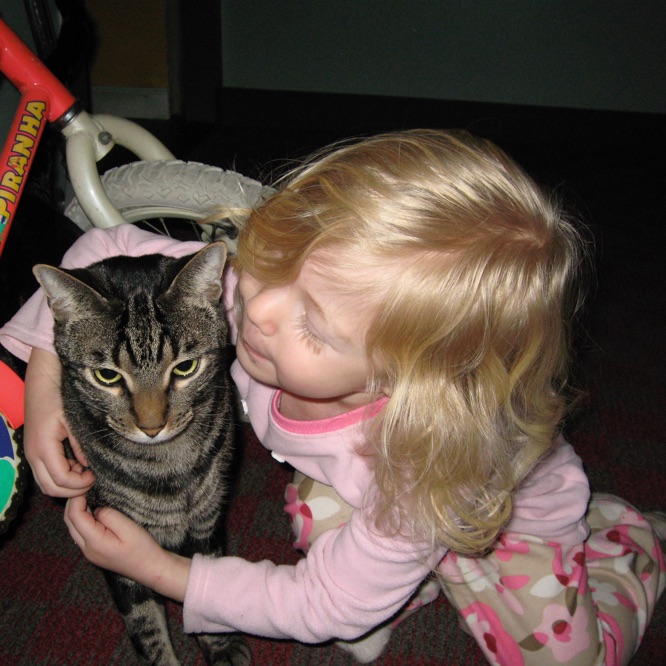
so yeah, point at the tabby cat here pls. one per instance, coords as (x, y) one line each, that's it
(142, 342)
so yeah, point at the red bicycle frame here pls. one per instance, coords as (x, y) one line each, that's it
(43, 99)
(88, 138)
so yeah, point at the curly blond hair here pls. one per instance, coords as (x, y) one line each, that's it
(471, 335)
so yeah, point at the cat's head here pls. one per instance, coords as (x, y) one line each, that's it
(140, 339)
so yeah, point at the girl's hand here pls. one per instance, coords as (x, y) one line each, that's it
(113, 541)
(46, 428)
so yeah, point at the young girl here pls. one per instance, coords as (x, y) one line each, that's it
(401, 310)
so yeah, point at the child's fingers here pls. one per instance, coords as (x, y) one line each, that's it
(54, 472)
(77, 450)
(78, 520)
(112, 518)
(94, 525)
(71, 480)
(50, 479)
(76, 512)
(59, 479)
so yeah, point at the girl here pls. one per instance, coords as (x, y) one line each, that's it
(402, 310)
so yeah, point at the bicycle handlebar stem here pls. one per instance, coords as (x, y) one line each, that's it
(83, 150)
(89, 138)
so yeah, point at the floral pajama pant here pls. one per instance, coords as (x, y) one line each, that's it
(530, 601)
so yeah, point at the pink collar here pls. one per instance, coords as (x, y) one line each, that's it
(325, 425)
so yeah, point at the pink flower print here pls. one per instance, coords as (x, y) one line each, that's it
(301, 517)
(312, 511)
(569, 571)
(618, 544)
(610, 595)
(618, 512)
(564, 636)
(515, 582)
(613, 542)
(482, 574)
(570, 567)
(449, 569)
(477, 572)
(498, 645)
(323, 508)
(613, 639)
(505, 547)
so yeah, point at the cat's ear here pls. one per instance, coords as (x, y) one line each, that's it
(67, 296)
(201, 277)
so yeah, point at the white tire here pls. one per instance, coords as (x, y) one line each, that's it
(159, 190)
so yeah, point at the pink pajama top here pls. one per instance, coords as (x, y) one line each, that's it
(353, 577)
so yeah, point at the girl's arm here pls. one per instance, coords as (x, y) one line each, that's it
(113, 541)
(351, 581)
(46, 428)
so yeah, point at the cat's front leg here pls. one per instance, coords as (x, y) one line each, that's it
(225, 649)
(145, 620)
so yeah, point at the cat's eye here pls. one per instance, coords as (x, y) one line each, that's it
(107, 376)
(186, 368)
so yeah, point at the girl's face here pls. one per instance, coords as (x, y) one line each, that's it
(306, 338)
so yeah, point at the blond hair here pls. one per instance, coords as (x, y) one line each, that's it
(470, 336)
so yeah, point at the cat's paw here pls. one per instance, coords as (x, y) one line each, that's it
(368, 647)
(225, 649)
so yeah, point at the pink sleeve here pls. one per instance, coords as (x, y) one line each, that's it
(552, 501)
(351, 581)
(32, 325)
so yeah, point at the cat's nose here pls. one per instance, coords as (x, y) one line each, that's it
(150, 410)
(152, 432)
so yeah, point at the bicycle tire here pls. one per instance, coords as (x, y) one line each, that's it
(174, 189)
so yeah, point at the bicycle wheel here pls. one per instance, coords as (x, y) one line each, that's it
(168, 197)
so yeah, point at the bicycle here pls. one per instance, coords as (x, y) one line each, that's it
(156, 188)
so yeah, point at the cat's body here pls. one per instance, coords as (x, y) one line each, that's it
(142, 342)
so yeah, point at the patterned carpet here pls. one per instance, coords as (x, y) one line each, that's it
(55, 609)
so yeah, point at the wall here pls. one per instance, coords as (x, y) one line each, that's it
(129, 74)
(132, 43)
(590, 54)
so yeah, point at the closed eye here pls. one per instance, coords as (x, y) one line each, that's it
(186, 368)
(107, 376)
(309, 336)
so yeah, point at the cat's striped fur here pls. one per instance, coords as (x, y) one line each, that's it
(142, 342)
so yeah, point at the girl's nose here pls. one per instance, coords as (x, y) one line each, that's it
(262, 311)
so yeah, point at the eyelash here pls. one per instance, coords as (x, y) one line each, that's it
(310, 338)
